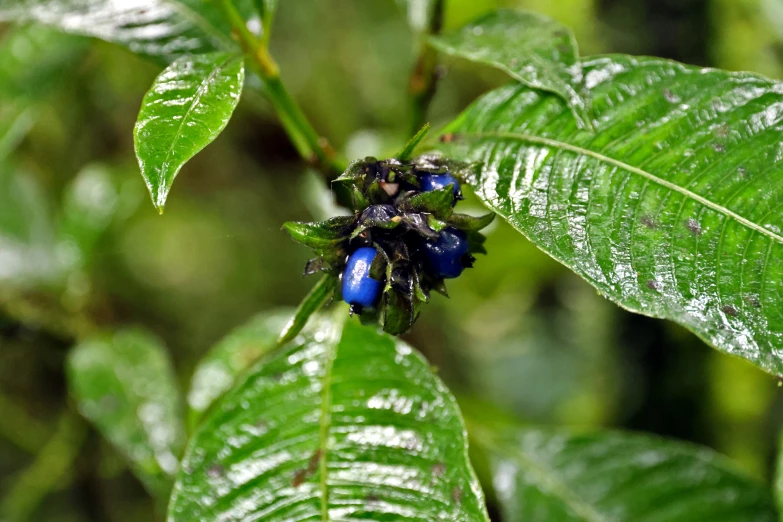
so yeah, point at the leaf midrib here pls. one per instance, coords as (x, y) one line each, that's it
(547, 477)
(200, 92)
(325, 422)
(549, 142)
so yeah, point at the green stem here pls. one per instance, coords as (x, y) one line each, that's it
(311, 146)
(52, 463)
(20, 428)
(424, 77)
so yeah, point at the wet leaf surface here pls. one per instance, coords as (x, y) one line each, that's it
(160, 29)
(217, 371)
(186, 108)
(125, 385)
(343, 423)
(554, 476)
(532, 48)
(670, 209)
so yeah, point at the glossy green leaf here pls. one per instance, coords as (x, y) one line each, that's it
(344, 424)
(670, 209)
(556, 476)
(125, 385)
(186, 108)
(161, 29)
(534, 49)
(323, 237)
(241, 348)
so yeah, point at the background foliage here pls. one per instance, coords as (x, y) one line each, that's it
(521, 336)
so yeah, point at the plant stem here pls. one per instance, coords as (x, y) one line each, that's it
(311, 146)
(19, 428)
(424, 77)
(52, 463)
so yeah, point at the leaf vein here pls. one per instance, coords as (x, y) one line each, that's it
(630, 168)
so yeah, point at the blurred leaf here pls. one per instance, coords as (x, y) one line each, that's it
(534, 49)
(186, 108)
(124, 383)
(89, 204)
(161, 29)
(347, 424)
(237, 351)
(319, 296)
(670, 210)
(33, 60)
(554, 476)
(26, 235)
(13, 128)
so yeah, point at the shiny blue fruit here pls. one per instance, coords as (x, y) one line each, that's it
(446, 254)
(359, 289)
(431, 182)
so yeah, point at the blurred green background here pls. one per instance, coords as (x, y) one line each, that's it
(81, 245)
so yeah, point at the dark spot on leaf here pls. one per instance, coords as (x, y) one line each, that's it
(694, 227)
(752, 300)
(277, 377)
(439, 469)
(371, 498)
(670, 96)
(730, 311)
(563, 48)
(302, 475)
(215, 471)
(456, 495)
(448, 137)
(652, 284)
(648, 221)
(299, 477)
(718, 147)
(721, 130)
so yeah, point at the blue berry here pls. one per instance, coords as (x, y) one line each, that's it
(446, 254)
(359, 289)
(431, 182)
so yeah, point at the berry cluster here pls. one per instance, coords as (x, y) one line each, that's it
(402, 240)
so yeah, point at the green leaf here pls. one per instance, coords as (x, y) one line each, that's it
(215, 373)
(670, 209)
(439, 202)
(556, 476)
(124, 383)
(162, 29)
(407, 151)
(34, 60)
(535, 49)
(186, 108)
(320, 295)
(347, 423)
(470, 223)
(324, 237)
